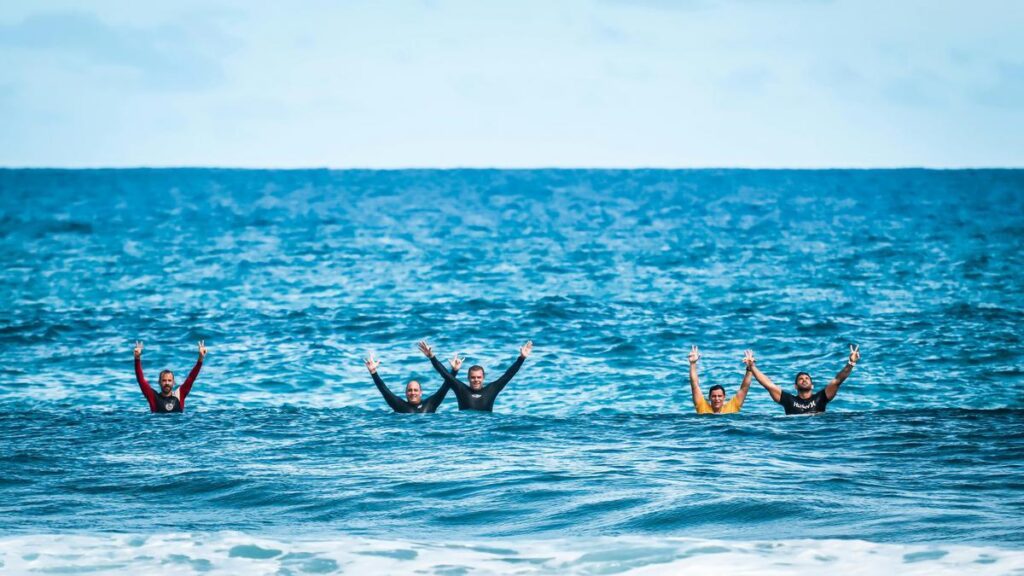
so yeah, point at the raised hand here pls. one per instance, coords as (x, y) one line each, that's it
(426, 349)
(694, 355)
(748, 358)
(138, 349)
(202, 349)
(833, 386)
(525, 349)
(372, 363)
(456, 362)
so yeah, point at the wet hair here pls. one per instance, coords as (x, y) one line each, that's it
(476, 367)
(162, 372)
(799, 374)
(716, 387)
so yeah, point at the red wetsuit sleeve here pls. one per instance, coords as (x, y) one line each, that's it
(147, 391)
(186, 387)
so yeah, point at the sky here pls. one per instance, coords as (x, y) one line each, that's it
(516, 84)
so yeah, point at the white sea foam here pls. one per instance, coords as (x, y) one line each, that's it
(237, 553)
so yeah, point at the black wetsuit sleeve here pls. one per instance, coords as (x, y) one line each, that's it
(494, 387)
(395, 402)
(458, 387)
(435, 400)
(448, 376)
(431, 404)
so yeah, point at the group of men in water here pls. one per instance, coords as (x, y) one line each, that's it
(479, 396)
(805, 401)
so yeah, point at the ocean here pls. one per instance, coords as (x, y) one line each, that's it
(288, 461)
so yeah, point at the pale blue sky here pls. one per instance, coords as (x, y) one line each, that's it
(599, 83)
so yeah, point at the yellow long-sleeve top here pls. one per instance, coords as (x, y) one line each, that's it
(730, 407)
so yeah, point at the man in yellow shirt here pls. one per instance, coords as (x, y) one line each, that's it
(716, 404)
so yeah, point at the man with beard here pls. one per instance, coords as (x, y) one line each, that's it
(169, 399)
(805, 401)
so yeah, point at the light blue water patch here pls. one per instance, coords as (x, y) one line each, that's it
(924, 556)
(396, 554)
(293, 277)
(252, 551)
(199, 565)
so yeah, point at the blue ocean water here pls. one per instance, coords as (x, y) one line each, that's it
(292, 277)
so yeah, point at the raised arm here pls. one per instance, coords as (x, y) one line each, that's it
(499, 384)
(448, 377)
(698, 396)
(186, 386)
(147, 390)
(833, 386)
(763, 380)
(436, 398)
(393, 401)
(741, 394)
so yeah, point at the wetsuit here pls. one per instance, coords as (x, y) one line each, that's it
(160, 403)
(482, 399)
(399, 405)
(797, 405)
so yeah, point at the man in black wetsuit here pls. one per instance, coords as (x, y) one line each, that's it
(414, 402)
(476, 395)
(805, 401)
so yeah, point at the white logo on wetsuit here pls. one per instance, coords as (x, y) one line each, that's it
(169, 406)
(476, 395)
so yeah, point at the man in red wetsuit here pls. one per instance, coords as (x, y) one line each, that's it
(169, 399)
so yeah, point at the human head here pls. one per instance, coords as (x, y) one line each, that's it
(803, 382)
(476, 377)
(413, 393)
(166, 382)
(716, 397)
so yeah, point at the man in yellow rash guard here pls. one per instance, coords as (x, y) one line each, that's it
(716, 404)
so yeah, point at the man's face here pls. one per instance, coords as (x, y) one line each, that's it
(717, 400)
(413, 393)
(803, 382)
(476, 379)
(166, 383)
